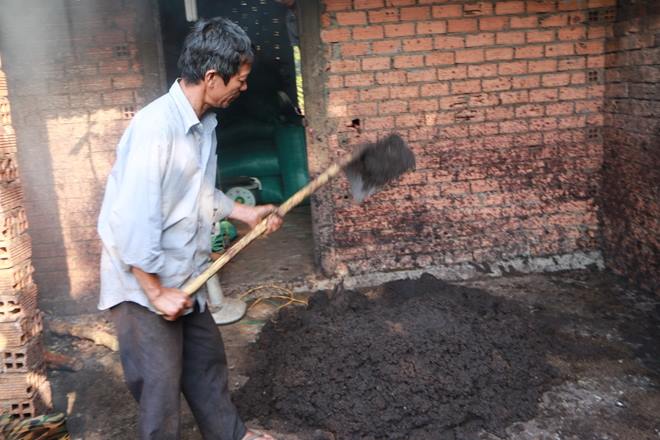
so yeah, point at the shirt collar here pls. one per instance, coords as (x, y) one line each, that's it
(188, 115)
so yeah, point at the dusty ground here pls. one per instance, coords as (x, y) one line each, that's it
(608, 387)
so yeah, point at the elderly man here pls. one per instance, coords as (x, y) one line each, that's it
(155, 225)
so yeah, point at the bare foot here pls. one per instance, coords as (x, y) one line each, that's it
(256, 435)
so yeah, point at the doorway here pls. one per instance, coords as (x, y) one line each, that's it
(262, 155)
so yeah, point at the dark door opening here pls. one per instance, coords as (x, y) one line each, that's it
(262, 155)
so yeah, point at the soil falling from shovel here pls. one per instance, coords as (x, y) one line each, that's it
(421, 360)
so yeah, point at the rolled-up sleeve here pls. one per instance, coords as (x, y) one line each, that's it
(136, 215)
(222, 205)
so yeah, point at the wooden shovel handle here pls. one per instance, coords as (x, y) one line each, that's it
(193, 285)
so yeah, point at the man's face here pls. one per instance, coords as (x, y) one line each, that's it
(220, 95)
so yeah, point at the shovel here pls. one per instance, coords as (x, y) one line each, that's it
(367, 169)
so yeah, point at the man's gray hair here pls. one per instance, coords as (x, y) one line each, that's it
(214, 44)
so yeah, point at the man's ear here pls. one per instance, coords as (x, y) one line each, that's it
(210, 76)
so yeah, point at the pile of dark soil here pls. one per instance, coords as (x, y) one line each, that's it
(418, 360)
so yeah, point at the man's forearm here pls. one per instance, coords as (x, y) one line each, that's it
(149, 282)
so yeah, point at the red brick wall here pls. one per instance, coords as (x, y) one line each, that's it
(631, 172)
(501, 102)
(76, 73)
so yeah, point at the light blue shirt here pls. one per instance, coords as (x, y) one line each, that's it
(160, 200)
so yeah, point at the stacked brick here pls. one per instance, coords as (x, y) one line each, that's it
(501, 101)
(631, 171)
(24, 389)
(97, 66)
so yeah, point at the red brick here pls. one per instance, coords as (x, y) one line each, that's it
(404, 92)
(543, 95)
(593, 106)
(359, 79)
(368, 4)
(499, 113)
(514, 97)
(432, 27)
(462, 25)
(512, 68)
(526, 82)
(425, 75)
(445, 11)
(543, 124)
(416, 13)
(523, 22)
(509, 7)
(559, 49)
(376, 63)
(375, 94)
(477, 9)
(484, 100)
(338, 5)
(344, 66)
(572, 93)
(342, 96)
(423, 105)
(510, 38)
(379, 123)
(439, 58)
(571, 33)
(482, 70)
(543, 66)
(363, 109)
(351, 18)
(555, 79)
(417, 44)
(529, 52)
(483, 39)
(353, 49)
(408, 61)
(470, 86)
(368, 33)
(450, 73)
(467, 56)
(571, 63)
(496, 85)
(449, 42)
(493, 23)
(436, 89)
(513, 126)
(560, 108)
(570, 5)
(535, 6)
(529, 110)
(391, 77)
(537, 36)
(578, 78)
(486, 129)
(400, 30)
(601, 3)
(409, 121)
(589, 47)
(596, 61)
(384, 15)
(335, 81)
(389, 107)
(386, 46)
(500, 53)
(554, 20)
(335, 35)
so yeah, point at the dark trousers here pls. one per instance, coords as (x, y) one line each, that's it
(161, 359)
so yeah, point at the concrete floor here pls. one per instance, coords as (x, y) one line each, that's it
(285, 257)
(610, 392)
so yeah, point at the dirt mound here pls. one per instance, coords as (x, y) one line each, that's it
(421, 360)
